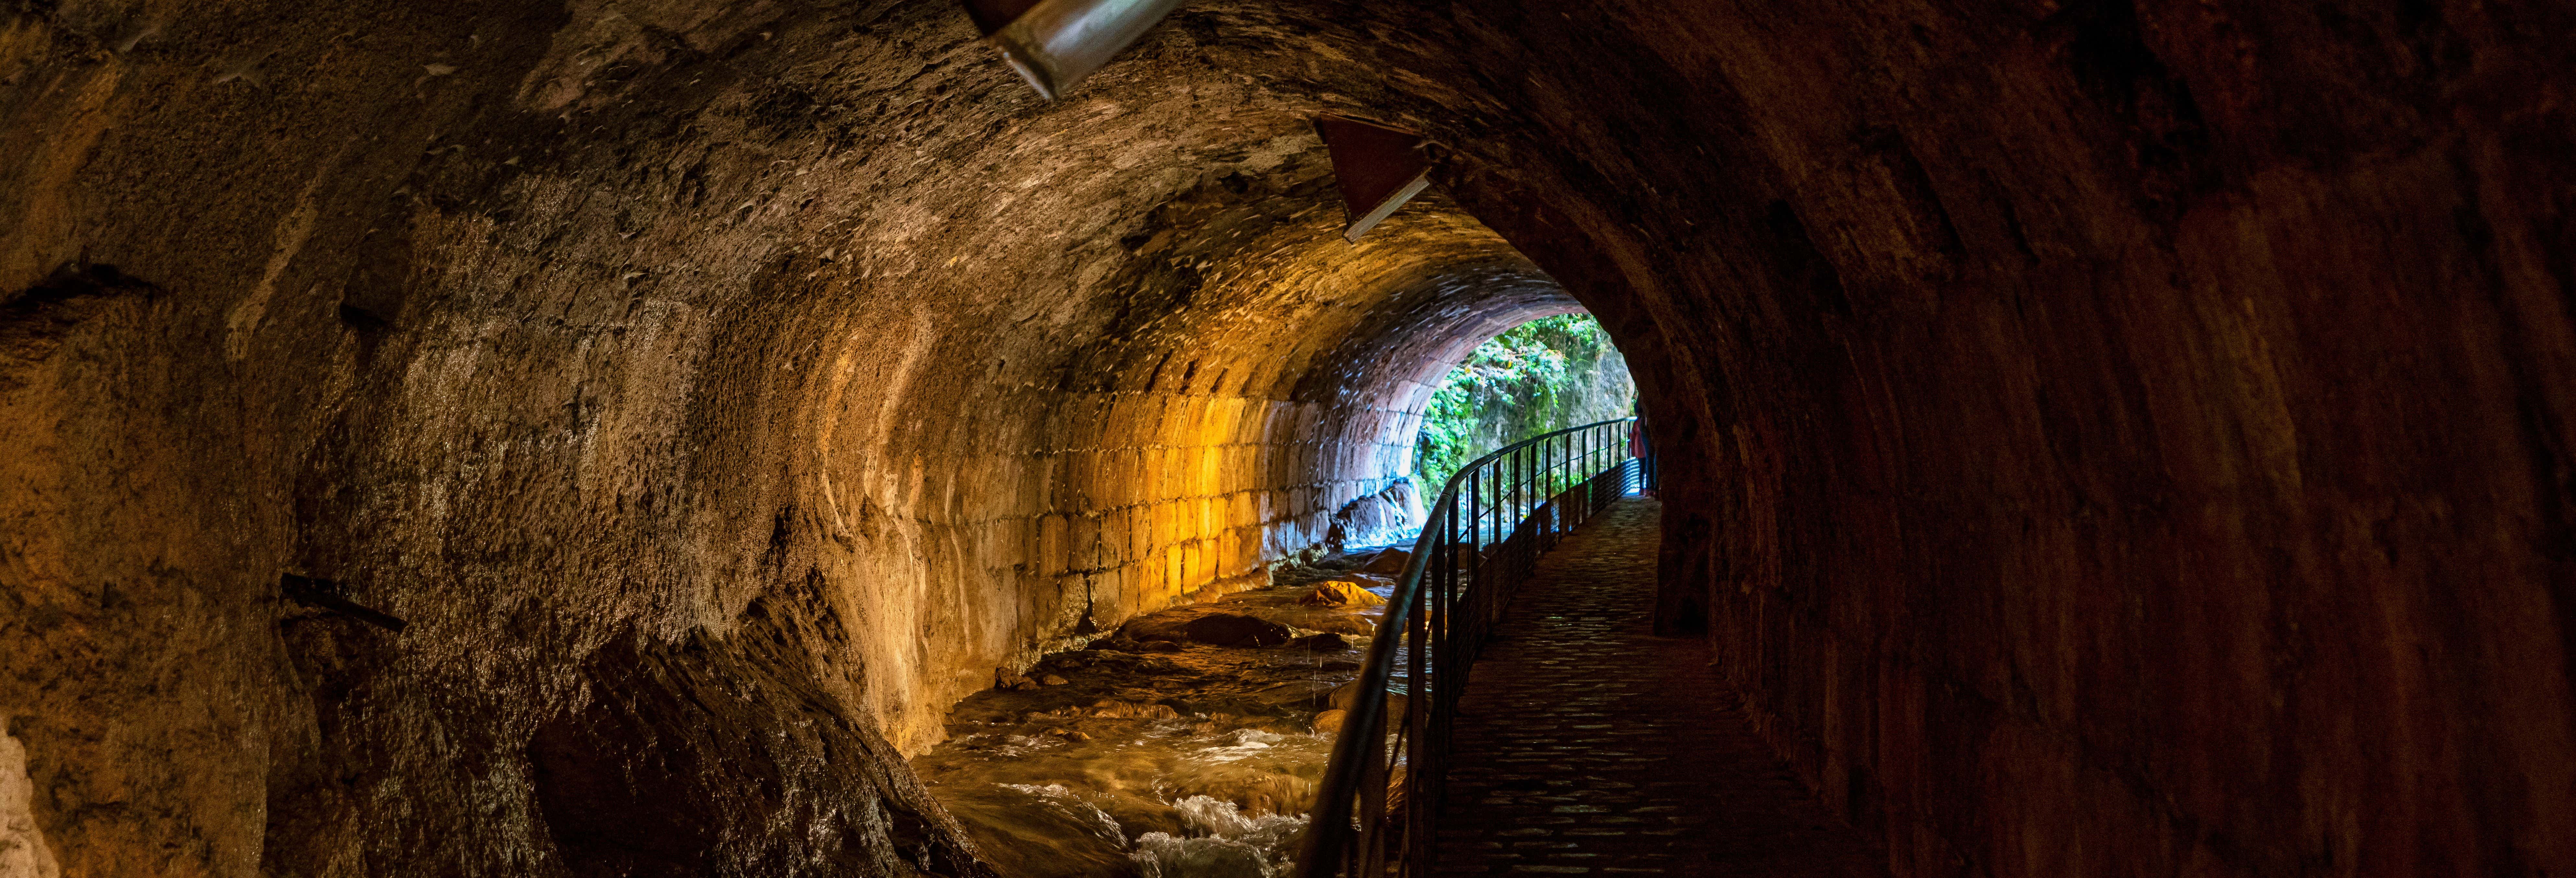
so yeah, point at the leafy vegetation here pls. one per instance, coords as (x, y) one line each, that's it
(1547, 374)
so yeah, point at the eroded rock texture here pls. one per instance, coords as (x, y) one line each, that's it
(2103, 438)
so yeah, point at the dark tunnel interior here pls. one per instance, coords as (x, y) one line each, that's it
(2097, 437)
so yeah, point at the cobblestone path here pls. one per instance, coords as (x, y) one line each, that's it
(1588, 746)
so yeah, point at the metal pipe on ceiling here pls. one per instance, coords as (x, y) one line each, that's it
(1054, 44)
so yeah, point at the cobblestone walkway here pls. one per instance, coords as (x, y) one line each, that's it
(1588, 746)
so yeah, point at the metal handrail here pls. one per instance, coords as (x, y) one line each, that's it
(1444, 605)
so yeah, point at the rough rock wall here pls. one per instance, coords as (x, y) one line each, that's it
(2103, 438)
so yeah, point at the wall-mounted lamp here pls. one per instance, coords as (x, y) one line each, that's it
(1055, 43)
(1378, 168)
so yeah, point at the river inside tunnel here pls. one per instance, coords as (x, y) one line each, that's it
(1163, 758)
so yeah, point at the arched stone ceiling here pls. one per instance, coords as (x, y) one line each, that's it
(2082, 420)
(626, 326)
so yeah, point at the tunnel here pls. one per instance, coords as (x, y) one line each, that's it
(606, 437)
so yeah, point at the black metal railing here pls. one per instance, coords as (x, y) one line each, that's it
(1378, 805)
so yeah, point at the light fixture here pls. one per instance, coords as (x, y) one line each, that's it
(1055, 43)
(1378, 168)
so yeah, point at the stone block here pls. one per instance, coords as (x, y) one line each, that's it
(1054, 553)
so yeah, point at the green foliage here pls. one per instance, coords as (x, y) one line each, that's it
(1547, 374)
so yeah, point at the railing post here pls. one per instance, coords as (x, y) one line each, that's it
(1519, 475)
(1555, 477)
(1475, 531)
(1564, 474)
(1421, 694)
(1520, 509)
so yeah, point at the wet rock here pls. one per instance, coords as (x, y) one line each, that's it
(1339, 563)
(1053, 680)
(1035, 830)
(1123, 643)
(1325, 642)
(1113, 708)
(1113, 664)
(1343, 696)
(1330, 722)
(1343, 621)
(1255, 794)
(1390, 562)
(1230, 629)
(1005, 678)
(1340, 593)
(1377, 519)
(1213, 628)
(1347, 695)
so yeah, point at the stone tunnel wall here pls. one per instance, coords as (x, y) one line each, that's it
(718, 395)
(2102, 438)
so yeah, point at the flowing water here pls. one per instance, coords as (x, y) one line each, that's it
(1167, 761)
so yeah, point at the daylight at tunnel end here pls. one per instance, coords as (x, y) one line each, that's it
(2095, 438)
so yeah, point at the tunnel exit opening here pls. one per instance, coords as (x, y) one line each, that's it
(1535, 375)
(1545, 374)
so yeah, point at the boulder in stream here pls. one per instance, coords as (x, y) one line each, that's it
(1123, 643)
(1325, 642)
(1340, 593)
(1389, 562)
(1347, 695)
(1206, 626)
(1330, 721)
